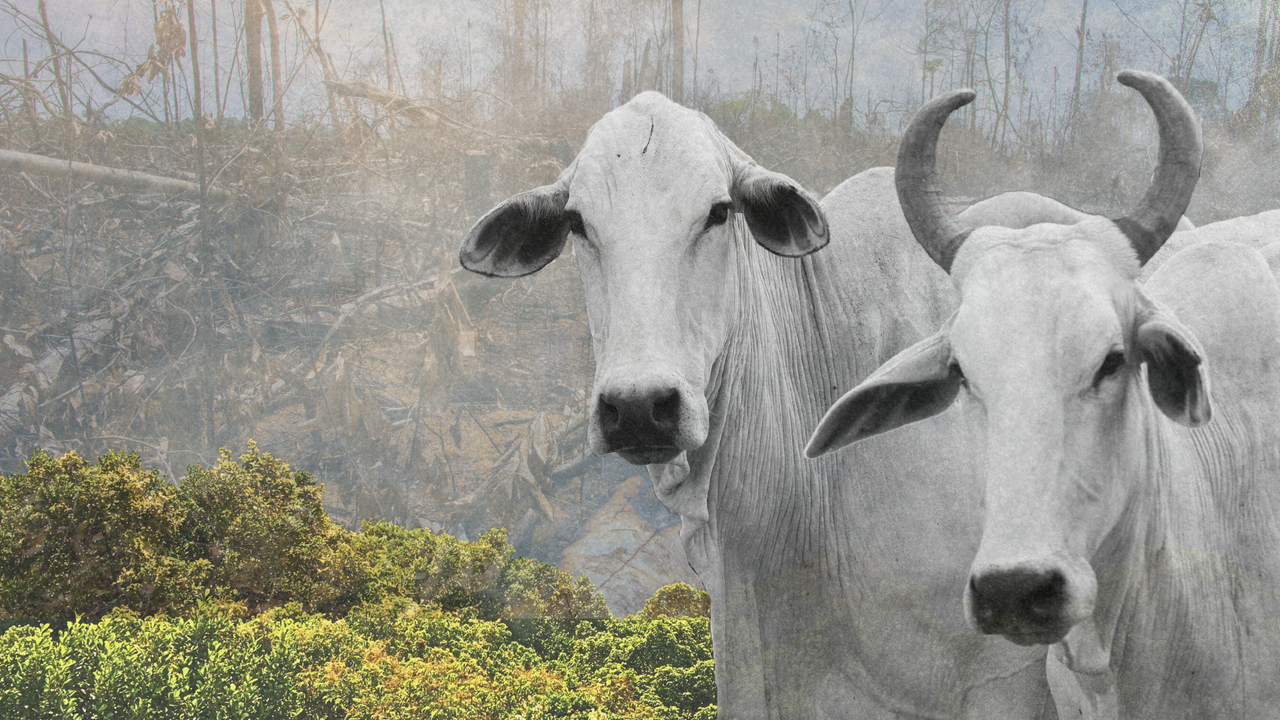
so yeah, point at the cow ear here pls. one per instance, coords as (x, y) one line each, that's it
(915, 384)
(519, 236)
(1176, 370)
(782, 216)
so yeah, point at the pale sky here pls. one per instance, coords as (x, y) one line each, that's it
(886, 66)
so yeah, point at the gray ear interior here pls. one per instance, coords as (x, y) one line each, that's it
(519, 236)
(868, 411)
(913, 385)
(1175, 374)
(782, 217)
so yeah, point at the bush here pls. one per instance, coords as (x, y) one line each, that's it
(263, 531)
(126, 666)
(232, 595)
(393, 661)
(677, 600)
(78, 539)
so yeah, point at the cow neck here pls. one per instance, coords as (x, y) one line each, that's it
(776, 540)
(1121, 560)
(1162, 581)
(791, 351)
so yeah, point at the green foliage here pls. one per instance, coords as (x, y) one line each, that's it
(390, 661)
(232, 595)
(78, 538)
(481, 577)
(685, 689)
(534, 589)
(435, 569)
(127, 667)
(242, 537)
(263, 530)
(677, 600)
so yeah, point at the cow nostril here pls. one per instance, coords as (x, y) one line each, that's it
(607, 413)
(982, 610)
(667, 409)
(1045, 598)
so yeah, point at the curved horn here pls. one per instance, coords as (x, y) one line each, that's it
(930, 219)
(1177, 170)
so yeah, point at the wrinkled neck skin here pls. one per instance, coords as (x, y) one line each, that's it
(764, 356)
(791, 549)
(1171, 630)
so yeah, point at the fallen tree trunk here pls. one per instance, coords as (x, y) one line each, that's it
(392, 101)
(127, 179)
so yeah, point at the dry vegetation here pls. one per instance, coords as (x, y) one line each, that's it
(312, 303)
(318, 310)
(309, 296)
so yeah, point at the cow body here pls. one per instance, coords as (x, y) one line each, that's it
(1188, 612)
(1128, 433)
(719, 338)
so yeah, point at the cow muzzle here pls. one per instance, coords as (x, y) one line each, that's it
(646, 418)
(1029, 603)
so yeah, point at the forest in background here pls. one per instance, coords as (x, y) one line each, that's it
(275, 256)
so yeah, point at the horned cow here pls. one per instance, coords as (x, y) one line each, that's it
(1126, 432)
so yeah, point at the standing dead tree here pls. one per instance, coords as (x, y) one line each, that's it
(277, 80)
(253, 12)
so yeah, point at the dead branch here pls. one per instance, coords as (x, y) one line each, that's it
(28, 91)
(128, 179)
(63, 91)
(375, 294)
(482, 427)
(277, 85)
(44, 372)
(326, 69)
(390, 101)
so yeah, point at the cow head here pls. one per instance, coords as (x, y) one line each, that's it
(659, 204)
(1046, 353)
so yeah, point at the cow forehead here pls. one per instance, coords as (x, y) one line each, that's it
(1051, 296)
(1093, 245)
(651, 149)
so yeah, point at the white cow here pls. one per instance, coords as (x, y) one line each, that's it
(720, 336)
(1128, 434)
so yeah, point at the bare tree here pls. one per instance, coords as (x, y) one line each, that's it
(1195, 16)
(597, 32)
(1260, 48)
(697, 34)
(677, 50)
(327, 71)
(277, 79)
(1003, 121)
(859, 16)
(217, 68)
(1081, 34)
(64, 92)
(386, 44)
(827, 22)
(253, 56)
(930, 42)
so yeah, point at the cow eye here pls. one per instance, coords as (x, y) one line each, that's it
(1110, 366)
(956, 372)
(718, 215)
